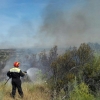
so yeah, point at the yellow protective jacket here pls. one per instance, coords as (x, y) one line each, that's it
(15, 73)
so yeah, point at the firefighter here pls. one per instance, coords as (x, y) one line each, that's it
(15, 73)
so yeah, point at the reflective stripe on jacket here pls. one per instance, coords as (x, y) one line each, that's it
(15, 73)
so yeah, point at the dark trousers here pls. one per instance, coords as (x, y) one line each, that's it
(16, 83)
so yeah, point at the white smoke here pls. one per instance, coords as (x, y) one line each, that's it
(71, 27)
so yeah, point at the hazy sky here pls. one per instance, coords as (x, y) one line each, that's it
(45, 23)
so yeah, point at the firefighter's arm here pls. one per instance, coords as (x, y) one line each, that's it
(22, 73)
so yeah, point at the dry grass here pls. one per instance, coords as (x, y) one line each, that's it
(31, 92)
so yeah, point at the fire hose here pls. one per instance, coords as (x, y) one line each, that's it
(6, 81)
(2, 86)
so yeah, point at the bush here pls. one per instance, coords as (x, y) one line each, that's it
(81, 92)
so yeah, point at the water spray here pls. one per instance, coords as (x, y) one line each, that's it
(35, 75)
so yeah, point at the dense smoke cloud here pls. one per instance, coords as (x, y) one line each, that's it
(73, 26)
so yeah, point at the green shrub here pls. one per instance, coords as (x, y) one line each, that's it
(81, 92)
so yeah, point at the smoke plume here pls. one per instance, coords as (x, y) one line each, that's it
(70, 26)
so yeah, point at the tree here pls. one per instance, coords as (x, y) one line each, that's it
(67, 66)
(85, 54)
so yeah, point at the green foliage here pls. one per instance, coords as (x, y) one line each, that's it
(81, 92)
(93, 69)
(85, 53)
(70, 64)
(82, 64)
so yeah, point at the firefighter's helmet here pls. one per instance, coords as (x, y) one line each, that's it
(16, 64)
